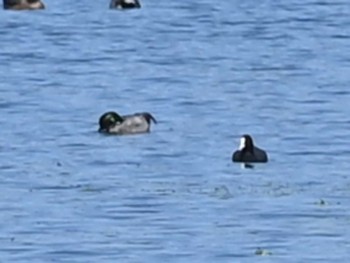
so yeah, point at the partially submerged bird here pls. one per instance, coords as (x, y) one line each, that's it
(112, 123)
(124, 4)
(248, 153)
(23, 4)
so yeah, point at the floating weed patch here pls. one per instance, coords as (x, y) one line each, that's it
(321, 202)
(222, 192)
(91, 189)
(262, 252)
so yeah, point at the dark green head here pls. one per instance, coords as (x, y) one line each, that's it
(109, 120)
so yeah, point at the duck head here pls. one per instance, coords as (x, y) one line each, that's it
(109, 120)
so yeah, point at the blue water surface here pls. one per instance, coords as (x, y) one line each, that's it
(209, 71)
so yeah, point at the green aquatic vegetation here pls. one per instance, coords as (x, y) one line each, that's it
(262, 252)
(321, 202)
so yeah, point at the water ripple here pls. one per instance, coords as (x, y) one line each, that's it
(209, 73)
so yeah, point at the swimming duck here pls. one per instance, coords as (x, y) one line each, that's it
(124, 4)
(112, 123)
(23, 4)
(248, 153)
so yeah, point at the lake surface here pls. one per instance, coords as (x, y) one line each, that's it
(209, 72)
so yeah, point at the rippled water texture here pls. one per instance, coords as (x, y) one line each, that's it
(209, 72)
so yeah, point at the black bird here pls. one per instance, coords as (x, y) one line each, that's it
(248, 153)
(124, 4)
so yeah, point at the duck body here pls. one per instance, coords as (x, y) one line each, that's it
(124, 4)
(23, 4)
(113, 123)
(248, 153)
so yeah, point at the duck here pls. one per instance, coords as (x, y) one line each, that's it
(248, 153)
(23, 4)
(124, 4)
(113, 123)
